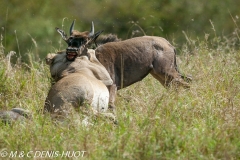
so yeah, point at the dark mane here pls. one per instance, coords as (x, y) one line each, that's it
(107, 38)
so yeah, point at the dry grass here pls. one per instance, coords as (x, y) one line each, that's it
(154, 123)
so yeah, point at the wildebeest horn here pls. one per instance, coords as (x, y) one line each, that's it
(72, 27)
(62, 33)
(92, 30)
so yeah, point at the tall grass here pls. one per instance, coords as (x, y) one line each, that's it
(202, 122)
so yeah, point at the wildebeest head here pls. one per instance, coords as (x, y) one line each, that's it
(77, 41)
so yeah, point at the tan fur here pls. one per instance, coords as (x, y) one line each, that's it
(61, 67)
(78, 83)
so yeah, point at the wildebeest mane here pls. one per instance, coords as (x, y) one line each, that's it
(102, 39)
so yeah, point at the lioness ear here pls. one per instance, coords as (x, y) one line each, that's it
(62, 33)
(49, 58)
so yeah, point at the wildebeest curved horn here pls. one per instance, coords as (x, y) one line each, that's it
(62, 33)
(72, 27)
(92, 30)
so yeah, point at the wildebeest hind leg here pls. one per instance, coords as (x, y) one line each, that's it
(159, 78)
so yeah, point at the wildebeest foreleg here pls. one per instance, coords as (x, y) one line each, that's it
(112, 93)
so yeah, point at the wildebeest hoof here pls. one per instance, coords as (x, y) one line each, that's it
(179, 82)
(187, 78)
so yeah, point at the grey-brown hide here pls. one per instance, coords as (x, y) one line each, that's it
(79, 82)
(131, 60)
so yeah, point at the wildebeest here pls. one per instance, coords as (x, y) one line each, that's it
(78, 83)
(129, 61)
